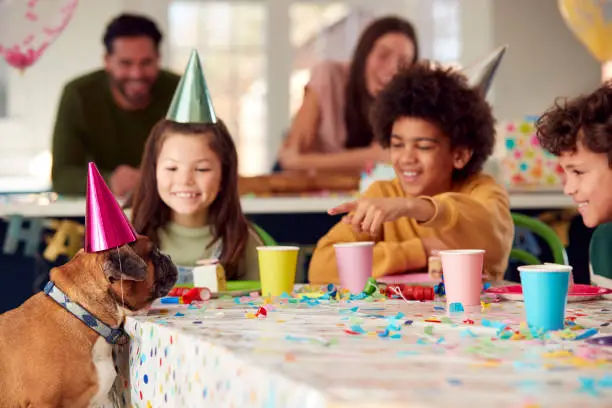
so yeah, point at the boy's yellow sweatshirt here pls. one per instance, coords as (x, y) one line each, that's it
(474, 215)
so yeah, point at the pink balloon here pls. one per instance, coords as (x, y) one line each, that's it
(27, 28)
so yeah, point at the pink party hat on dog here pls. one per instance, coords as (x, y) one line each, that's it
(106, 226)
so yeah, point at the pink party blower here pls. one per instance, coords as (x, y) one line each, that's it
(106, 226)
(462, 272)
(354, 264)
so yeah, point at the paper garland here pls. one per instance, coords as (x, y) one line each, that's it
(66, 238)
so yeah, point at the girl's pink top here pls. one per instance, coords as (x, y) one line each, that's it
(328, 81)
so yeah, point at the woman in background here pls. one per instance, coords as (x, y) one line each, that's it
(331, 130)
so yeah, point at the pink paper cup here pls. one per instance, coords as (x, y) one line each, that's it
(354, 264)
(462, 272)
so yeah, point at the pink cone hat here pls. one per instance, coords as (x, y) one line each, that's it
(106, 226)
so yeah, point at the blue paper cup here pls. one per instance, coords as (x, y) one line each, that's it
(545, 295)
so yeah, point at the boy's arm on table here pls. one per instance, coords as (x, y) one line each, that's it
(389, 257)
(480, 219)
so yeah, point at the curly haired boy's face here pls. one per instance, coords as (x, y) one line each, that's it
(422, 157)
(588, 181)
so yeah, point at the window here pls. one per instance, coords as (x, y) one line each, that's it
(447, 35)
(230, 38)
(321, 31)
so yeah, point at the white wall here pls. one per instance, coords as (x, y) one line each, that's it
(544, 61)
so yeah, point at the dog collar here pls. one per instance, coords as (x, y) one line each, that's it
(110, 334)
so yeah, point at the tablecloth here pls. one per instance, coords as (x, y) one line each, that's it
(316, 353)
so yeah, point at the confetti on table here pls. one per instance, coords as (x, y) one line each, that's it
(454, 381)
(468, 333)
(586, 334)
(606, 381)
(271, 351)
(588, 385)
(456, 308)
(405, 353)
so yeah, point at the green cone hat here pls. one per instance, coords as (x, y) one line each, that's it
(191, 102)
(481, 73)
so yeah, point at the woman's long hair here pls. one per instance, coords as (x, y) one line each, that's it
(228, 223)
(358, 100)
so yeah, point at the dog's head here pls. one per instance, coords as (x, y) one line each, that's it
(131, 276)
(138, 273)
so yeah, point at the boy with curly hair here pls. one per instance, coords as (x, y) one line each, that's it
(440, 133)
(579, 131)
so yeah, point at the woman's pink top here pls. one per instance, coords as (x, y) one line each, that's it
(328, 80)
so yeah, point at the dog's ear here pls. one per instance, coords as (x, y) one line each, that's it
(125, 264)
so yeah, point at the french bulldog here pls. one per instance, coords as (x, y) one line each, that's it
(56, 348)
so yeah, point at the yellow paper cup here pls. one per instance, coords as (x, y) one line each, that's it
(277, 266)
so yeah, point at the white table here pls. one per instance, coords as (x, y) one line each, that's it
(360, 354)
(41, 206)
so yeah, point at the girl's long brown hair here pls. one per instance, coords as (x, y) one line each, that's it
(358, 100)
(228, 223)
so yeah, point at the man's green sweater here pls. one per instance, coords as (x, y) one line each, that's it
(91, 127)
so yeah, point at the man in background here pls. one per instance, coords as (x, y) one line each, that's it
(105, 116)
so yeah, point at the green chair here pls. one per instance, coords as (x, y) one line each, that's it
(543, 231)
(265, 237)
(600, 256)
(267, 240)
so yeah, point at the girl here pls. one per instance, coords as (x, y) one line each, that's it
(330, 134)
(188, 201)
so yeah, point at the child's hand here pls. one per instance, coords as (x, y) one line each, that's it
(124, 180)
(369, 214)
(289, 158)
